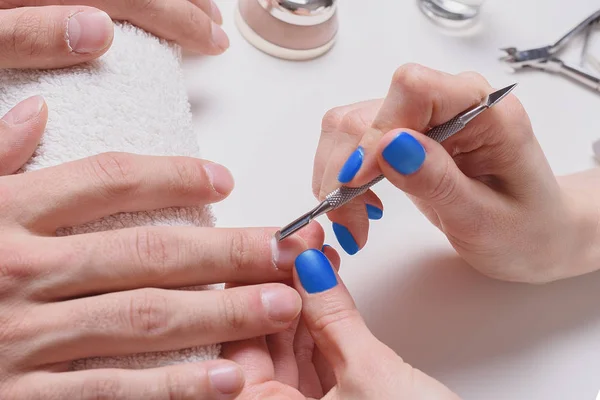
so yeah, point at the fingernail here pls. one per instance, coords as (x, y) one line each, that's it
(374, 212)
(89, 31)
(315, 271)
(285, 252)
(345, 239)
(281, 302)
(216, 13)
(227, 379)
(352, 165)
(219, 177)
(219, 37)
(24, 111)
(325, 246)
(405, 154)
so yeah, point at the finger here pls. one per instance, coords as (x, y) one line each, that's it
(111, 183)
(421, 167)
(418, 98)
(316, 375)
(346, 160)
(53, 37)
(351, 222)
(332, 255)
(282, 353)
(217, 379)
(166, 257)
(20, 132)
(364, 366)
(351, 225)
(309, 383)
(253, 356)
(331, 315)
(180, 21)
(210, 8)
(329, 133)
(150, 320)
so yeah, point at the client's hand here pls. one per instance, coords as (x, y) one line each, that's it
(59, 33)
(332, 354)
(489, 188)
(112, 293)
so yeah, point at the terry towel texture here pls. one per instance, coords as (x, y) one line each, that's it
(133, 99)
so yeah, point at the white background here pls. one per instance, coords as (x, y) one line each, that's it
(260, 116)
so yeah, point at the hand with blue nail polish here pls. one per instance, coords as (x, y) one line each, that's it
(332, 354)
(489, 188)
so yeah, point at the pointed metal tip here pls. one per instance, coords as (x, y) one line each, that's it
(278, 236)
(293, 227)
(498, 95)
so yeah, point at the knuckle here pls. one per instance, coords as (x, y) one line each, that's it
(100, 388)
(141, 5)
(233, 311)
(188, 174)
(304, 352)
(154, 251)
(335, 315)
(30, 34)
(332, 119)
(178, 385)
(409, 75)
(445, 189)
(148, 313)
(16, 265)
(240, 251)
(354, 123)
(115, 172)
(475, 77)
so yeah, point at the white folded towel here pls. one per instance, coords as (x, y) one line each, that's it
(132, 99)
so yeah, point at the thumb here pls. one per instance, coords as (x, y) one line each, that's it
(363, 366)
(421, 167)
(20, 132)
(332, 318)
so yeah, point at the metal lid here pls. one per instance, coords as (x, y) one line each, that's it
(300, 12)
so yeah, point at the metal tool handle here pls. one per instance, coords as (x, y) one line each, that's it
(344, 194)
(579, 28)
(580, 76)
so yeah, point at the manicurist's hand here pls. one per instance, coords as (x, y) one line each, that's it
(331, 354)
(112, 293)
(489, 188)
(60, 33)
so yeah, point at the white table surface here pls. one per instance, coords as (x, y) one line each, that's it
(485, 339)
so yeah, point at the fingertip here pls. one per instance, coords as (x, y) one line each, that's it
(90, 32)
(220, 178)
(220, 40)
(402, 151)
(313, 234)
(227, 378)
(345, 238)
(332, 255)
(23, 127)
(315, 272)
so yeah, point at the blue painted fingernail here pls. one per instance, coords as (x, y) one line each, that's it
(405, 154)
(324, 247)
(352, 165)
(374, 212)
(315, 271)
(345, 238)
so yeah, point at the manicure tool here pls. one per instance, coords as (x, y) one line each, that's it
(545, 58)
(344, 194)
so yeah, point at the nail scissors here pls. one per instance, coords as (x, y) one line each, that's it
(546, 59)
(344, 194)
